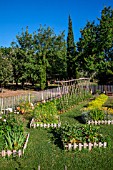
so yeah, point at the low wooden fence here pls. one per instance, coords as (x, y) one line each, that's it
(108, 122)
(44, 125)
(81, 146)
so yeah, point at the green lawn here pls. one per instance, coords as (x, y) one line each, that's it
(42, 151)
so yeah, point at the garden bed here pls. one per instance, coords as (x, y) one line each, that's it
(86, 118)
(97, 113)
(73, 137)
(14, 153)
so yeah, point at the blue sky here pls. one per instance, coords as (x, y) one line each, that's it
(17, 14)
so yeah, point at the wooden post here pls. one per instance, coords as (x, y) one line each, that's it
(1, 104)
(90, 146)
(65, 167)
(38, 167)
(29, 98)
(85, 145)
(80, 146)
(105, 144)
(75, 146)
(111, 121)
(69, 146)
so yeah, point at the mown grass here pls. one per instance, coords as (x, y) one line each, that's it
(42, 151)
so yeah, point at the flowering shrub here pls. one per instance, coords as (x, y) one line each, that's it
(109, 110)
(98, 102)
(95, 111)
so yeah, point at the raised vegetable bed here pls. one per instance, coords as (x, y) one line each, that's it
(19, 152)
(108, 119)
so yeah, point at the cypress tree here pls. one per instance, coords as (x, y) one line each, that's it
(70, 50)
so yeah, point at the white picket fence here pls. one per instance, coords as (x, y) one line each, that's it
(43, 125)
(91, 122)
(81, 146)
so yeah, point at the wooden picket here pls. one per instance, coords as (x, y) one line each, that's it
(65, 167)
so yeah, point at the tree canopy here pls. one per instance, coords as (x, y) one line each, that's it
(42, 55)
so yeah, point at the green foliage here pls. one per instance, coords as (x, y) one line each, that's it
(71, 54)
(96, 114)
(76, 134)
(46, 112)
(98, 102)
(11, 132)
(95, 46)
(69, 100)
(96, 111)
(5, 67)
(25, 107)
(39, 56)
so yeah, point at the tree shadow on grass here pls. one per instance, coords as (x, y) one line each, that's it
(79, 119)
(56, 137)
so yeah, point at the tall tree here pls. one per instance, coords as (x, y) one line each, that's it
(95, 46)
(70, 51)
(50, 54)
(23, 60)
(105, 44)
(87, 50)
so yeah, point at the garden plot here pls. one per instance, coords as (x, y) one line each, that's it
(79, 137)
(13, 138)
(97, 113)
(45, 115)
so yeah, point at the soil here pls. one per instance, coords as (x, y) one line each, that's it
(9, 93)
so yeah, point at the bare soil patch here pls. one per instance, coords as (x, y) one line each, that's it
(9, 93)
